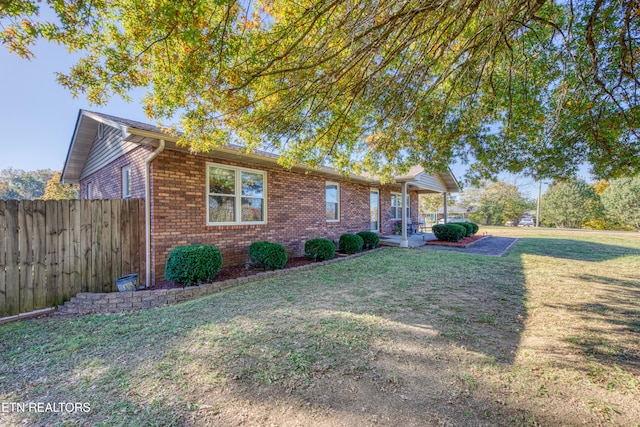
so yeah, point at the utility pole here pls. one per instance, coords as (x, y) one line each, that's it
(538, 206)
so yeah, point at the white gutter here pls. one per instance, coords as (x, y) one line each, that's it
(147, 209)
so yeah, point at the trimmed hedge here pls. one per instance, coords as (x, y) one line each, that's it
(452, 232)
(475, 226)
(350, 243)
(268, 255)
(371, 239)
(468, 228)
(193, 264)
(319, 249)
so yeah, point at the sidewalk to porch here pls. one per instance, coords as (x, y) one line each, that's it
(415, 240)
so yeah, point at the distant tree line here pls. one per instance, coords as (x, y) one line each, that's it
(604, 205)
(16, 184)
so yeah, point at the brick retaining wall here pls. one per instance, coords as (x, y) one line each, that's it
(118, 302)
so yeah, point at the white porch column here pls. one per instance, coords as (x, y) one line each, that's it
(404, 243)
(445, 207)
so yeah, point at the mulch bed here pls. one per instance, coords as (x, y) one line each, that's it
(231, 272)
(461, 244)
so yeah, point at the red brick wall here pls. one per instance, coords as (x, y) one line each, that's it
(295, 206)
(388, 224)
(296, 210)
(107, 182)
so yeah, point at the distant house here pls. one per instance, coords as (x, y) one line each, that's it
(228, 197)
(455, 212)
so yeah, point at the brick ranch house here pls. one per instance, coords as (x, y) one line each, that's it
(230, 198)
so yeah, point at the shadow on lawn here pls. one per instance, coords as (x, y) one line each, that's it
(616, 322)
(572, 249)
(307, 348)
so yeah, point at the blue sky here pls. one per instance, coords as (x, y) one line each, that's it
(37, 116)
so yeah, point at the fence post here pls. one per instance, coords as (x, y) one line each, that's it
(25, 239)
(3, 261)
(12, 284)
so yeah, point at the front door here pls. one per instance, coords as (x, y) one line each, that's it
(374, 197)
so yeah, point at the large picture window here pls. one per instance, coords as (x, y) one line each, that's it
(332, 196)
(235, 195)
(396, 206)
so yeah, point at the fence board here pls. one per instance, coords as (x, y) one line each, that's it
(141, 241)
(116, 249)
(86, 225)
(74, 247)
(125, 235)
(39, 255)
(96, 251)
(51, 250)
(51, 226)
(135, 239)
(3, 263)
(25, 248)
(12, 274)
(63, 250)
(107, 277)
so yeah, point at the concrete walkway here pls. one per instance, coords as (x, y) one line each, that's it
(415, 240)
(491, 246)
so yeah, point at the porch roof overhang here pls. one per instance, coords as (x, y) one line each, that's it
(148, 135)
(422, 182)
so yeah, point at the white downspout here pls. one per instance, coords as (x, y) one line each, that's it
(147, 209)
(404, 243)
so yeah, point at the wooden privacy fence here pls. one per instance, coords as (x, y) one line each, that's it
(51, 250)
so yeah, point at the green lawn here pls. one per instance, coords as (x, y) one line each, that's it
(548, 334)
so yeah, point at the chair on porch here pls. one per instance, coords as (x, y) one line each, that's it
(410, 227)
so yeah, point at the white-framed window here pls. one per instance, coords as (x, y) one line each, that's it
(235, 195)
(126, 182)
(396, 206)
(332, 198)
(90, 190)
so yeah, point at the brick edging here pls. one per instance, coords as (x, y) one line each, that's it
(118, 302)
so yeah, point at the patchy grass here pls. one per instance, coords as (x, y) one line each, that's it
(547, 334)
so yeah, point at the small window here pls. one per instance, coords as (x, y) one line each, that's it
(332, 195)
(126, 182)
(90, 190)
(235, 195)
(396, 206)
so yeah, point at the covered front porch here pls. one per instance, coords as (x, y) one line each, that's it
(417, 180)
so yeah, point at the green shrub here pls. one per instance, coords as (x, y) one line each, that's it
(449, 232)
(350, 243)
(268, 255)
(371, 239)
(468, 228)
(319, 249)
(475, 228)
(193, 264)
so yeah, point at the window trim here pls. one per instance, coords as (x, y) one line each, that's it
(237, 195)
(126, 182)
(407, 203)
(338, 209)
